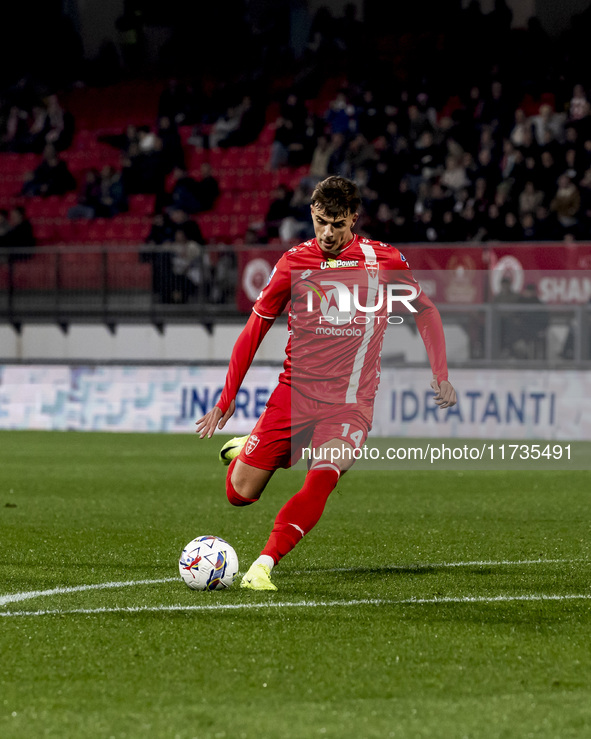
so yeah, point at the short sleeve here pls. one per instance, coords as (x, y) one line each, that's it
(277, 292)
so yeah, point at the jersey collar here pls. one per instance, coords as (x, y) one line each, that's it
(328, 255)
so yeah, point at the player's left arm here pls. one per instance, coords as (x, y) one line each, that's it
(430, 327)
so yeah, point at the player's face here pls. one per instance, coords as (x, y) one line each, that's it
(332, 233)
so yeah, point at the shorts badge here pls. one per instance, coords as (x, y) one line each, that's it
(251, 444)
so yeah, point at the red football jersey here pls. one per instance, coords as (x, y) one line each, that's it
(338, 315)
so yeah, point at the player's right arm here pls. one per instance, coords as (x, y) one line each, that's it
(268, 306)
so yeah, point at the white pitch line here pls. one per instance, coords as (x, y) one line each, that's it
(28, 594)
(535, 597)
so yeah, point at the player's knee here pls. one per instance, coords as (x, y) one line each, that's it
(237, 498)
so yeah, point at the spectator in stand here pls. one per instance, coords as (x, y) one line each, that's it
(370, 120)
(498, 111)
(60, 124)
(511, 229)
(250, 124)
(336, 163)
(482, 197)
(4, 227)
(566, 202)
(341, 116)
(529, 198)
(546, 175)
(195, 196)
(547, 122)
(209, 188)
(520, 129)
(123, 141)
(293, 109)
(19, 234)
(382, 225)
(585, 193)
(286, 145)
(150, 169)
(450, 230)
(360, 154)
(528, 226)
(161, 231)
(418, 124)
(546, 225)
(15, 131)
(51, 177)
(181, 220)
(454, 176)
(279, 209)
(185, 191)
(146, 139)
(297, 227)
(320, 159)
(470, 226)
(425, 230)
(113, 198)
(131, 170)
(405, 199)
(35, 138)
(240, 125)
(510, 160)
(89, 196)
(579, 105)
(427, 160)
(493, 224)
(173, 154)
(533, 327)
(190, 268)
(574, 164)
(173, 101)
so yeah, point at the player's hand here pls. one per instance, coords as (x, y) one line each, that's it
(208, 423)
(445, 395)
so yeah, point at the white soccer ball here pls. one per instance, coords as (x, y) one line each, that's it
(208, 563)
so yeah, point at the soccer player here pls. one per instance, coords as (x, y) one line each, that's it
(326, 392)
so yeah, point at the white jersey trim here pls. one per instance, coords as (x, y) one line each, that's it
(260, 315)
(372, 288)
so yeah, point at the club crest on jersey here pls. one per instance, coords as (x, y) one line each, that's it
(372, 268)
(251, 444)
(336, 263)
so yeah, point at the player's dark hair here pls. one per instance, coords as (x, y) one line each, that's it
(336, 196)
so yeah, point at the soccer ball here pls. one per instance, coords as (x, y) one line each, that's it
(208, 563)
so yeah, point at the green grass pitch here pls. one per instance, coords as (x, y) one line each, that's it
(424, 604)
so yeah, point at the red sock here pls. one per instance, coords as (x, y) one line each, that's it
(234, 497)
(302, 512)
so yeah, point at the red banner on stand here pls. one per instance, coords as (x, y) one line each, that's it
(456, 274)
(254, 269)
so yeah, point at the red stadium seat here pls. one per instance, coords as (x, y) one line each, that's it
(141, 205)
(36, 273)
(81, 271)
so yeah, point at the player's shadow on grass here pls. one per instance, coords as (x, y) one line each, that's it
(393, 570)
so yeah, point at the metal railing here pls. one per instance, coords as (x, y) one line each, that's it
(124, 284)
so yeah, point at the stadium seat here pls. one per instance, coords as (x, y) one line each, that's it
(36, 273)
(141, 205)
(81, 271)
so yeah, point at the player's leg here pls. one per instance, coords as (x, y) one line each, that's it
(333, 457)
(245, 483)
(303, 511)
(257, 455)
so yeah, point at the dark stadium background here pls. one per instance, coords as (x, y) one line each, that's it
(429, 84)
